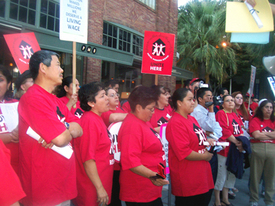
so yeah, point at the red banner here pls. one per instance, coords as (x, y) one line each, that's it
(22, 46)
(158, 53)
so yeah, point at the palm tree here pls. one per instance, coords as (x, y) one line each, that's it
(201, 29)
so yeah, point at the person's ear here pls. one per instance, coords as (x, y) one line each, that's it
(66, 88)
(138, 108)
(179, 103)
(91, 104)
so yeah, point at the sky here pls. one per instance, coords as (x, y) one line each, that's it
(182, 2)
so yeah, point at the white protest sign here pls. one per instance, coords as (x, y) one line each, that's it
(73, 20)
(162, 134)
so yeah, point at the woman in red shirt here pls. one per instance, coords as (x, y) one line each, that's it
(240, 107)
(93, 150)
(65, 93)
(141, 152)
(191, 176)
(115, 114)
(262, 159)
(231, 128)
(10, 139)
(162, 111)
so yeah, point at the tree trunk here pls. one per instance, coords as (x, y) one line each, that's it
(202, 70)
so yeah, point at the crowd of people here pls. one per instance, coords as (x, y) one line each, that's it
(62, 153)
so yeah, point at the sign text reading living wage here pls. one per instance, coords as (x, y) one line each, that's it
(73, 20)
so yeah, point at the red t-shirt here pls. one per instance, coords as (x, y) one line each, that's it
(253, 106)
(139, 145)
(13, 147)
(10, 186)
(263, 126)
(95, 143)
(160, 116)
(126, 107)
(188, 178)
(77, 111)
(47, 177)
(106, 115)
(231, 125)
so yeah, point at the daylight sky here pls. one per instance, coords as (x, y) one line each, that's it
(182, 2)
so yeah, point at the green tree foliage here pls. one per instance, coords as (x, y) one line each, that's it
(201, 30)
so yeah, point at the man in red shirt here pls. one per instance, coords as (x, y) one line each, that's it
(47, 177)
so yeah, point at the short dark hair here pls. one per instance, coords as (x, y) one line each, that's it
(60, 91)
(87, 93)
(187, 82)
(179, 94)
(157, 89)
(221, 90)
(259, 113)
(21, 79)
(143, 96)
(42, 56)
(8, 94)
(201, 92)
(113, 83)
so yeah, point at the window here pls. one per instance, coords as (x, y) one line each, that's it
(121, 39)
(150, 3)
(23, 10)
(2, 8)
(137, 45)
(124, 40)
(49, 15)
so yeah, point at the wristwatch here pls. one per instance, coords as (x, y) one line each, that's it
(67, 125)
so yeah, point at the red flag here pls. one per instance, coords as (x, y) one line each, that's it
(22, 46)
(158, 53)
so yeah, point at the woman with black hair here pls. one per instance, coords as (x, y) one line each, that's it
(191, 176)
(261, 127)
(10, 139)
(66, 95)
(141, 152)
(93, 150)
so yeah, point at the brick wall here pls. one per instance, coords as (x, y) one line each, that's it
(135, 15)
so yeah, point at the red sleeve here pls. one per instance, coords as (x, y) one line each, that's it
(224, 122)
(10, 186)
(177, 134)
(105, 116)
(254, 125)
(126, 107)
(130, 147)
(89, 139)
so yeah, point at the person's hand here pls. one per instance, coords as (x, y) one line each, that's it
(102, 196)
(239, 145)
(207, 156)
(159, 181)
(44, 143)
(72, 101)
(14, 135)
(212, 142)
(208, 133)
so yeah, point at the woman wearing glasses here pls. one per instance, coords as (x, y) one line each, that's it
(231, 128)
(141, 152)
(262, 160)
(163, 110)
(115, 114)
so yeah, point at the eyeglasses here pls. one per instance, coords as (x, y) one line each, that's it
(229, 100)
(151, 109)
(268, 107)
(238, 97)
(114, 95)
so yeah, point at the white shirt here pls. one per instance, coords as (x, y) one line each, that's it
(207, 120)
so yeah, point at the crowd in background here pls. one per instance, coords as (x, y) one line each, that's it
(211, 141)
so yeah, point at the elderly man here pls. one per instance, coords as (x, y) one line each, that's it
(47, 177)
